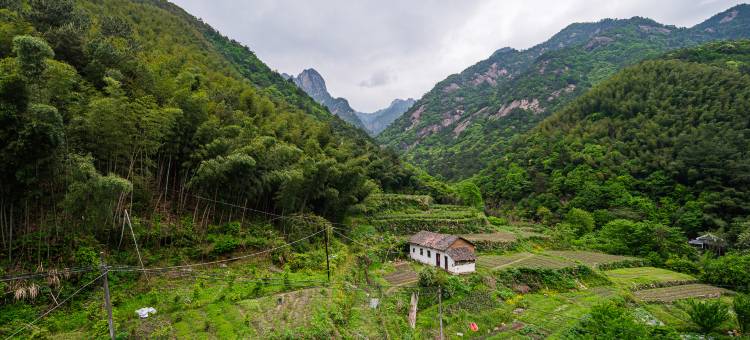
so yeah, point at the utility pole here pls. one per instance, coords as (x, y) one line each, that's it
(107, 303)
(440, 310)
(328, 264)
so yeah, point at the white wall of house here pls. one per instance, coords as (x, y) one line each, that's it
(423, 257)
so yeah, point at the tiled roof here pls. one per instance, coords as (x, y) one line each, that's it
(434, 240)
(461, 254)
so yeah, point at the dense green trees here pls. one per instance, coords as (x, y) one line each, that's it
(106, 106)
(665, 142)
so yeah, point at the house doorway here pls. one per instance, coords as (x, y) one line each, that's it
(437, 260)
(446, 262)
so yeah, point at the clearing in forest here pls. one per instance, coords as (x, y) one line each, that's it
(591, 258)
(646, 276)
(674, 293)
(522, 260)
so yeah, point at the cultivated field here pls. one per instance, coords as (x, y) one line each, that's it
(590, 258)
(674, 293)
(498, 236)
(403, 275)
(522, 260)
(645, 276)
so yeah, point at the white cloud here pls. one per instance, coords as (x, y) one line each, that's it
(372, 51)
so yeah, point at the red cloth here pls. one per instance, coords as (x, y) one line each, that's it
(473, 326)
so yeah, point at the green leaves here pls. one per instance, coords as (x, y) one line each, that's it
(32, 54)
(707, 314)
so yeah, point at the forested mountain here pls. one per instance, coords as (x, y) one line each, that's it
(314, 85)
(666, 140)
(377, 121)
(466, 120)
(112, 105)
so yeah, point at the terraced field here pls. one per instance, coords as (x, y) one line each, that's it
(648, 276)
(438, 218)
(498, 236)
(674, 293)
(403, 275)
(522, 260)
(590, 258)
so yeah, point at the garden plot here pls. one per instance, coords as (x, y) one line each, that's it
(497, 237)
(674, 293)
(592, 259)
(403, 275)
(283, 311)
(522, 260)
(648, 277)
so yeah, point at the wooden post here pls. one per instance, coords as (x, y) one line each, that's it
(107, 303)
(328, 265)
(413, 309)
(440, 311)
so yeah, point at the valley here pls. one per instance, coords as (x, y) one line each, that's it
(159, 180)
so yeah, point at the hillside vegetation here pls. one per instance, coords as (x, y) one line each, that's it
(665, 141)
(114, 105)
(467, 120)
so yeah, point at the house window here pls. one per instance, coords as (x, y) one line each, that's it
(428, 254)
(421, 251)
(413, 249)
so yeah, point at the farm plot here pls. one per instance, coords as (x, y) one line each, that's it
(674, 293)
(637, 278)
(592, 259)
(522, 260)
(403, 275)
(496, 237)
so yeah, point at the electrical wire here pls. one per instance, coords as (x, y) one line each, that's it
(56, 306)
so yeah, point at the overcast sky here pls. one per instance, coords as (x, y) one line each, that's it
(372, 51)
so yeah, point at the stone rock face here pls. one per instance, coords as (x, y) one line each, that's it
(314, 85)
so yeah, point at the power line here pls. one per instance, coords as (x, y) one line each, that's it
(56, 306)
(229, 259)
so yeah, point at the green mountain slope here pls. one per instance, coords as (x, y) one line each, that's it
(465, 121)
(112, 105)
(666, 140)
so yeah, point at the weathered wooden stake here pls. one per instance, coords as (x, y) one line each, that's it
(413, 309)
(107, 303)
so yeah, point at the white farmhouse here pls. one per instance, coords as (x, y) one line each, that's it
(453, 253)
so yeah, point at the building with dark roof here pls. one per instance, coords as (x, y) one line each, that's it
(452, 253)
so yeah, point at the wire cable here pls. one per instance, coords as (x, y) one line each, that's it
(56, 306)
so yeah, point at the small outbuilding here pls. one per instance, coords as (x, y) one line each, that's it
(709, 241)
(452, 253)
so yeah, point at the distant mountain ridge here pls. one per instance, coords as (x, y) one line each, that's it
(464, 123)
(377, 121)
(310, 81)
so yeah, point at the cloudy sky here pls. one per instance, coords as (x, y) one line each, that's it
(372, 51)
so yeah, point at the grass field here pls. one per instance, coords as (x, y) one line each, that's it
(590, 258)
(644, 276)
(674, 293)
(522, 260)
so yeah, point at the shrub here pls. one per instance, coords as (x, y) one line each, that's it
(682, 265)
(728, 270)
(742, 311)
(707, 314)
(581, 220)
(613, 320)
